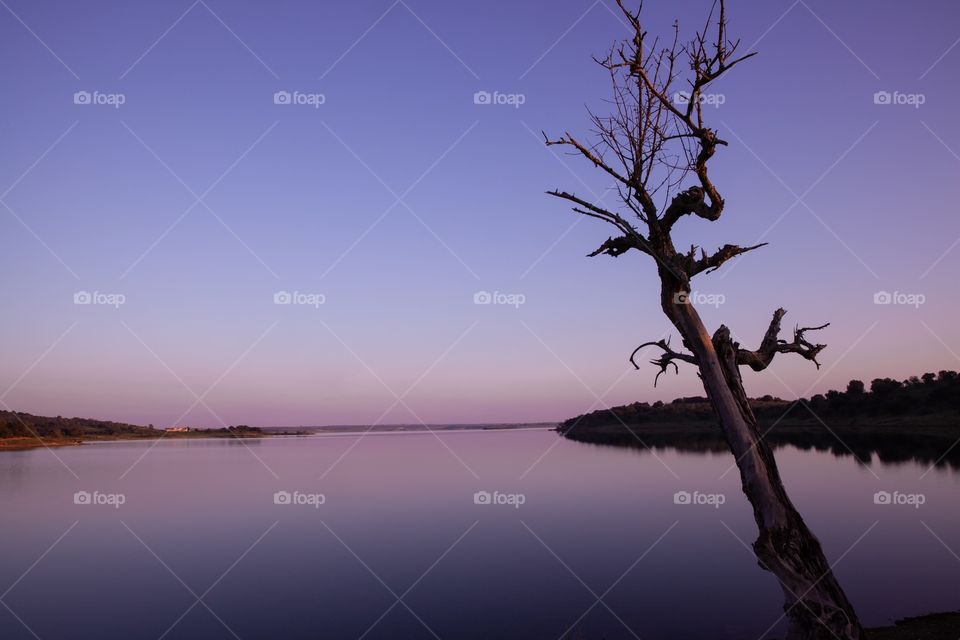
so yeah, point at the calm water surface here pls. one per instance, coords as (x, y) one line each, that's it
(399, 549)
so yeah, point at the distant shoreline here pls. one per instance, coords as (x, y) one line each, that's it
(412, 428)
(27, 442)
(23, 443)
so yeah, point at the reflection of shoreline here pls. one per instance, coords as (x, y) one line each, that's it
(890, 444)
(28, 442)
(415, 428)
(23, 444)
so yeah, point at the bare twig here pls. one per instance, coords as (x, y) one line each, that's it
(665, 360)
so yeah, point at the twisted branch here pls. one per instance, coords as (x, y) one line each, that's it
(666, 359)
(713, 262)
(616, 246)
(771, 345)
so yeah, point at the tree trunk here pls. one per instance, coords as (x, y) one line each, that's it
(815, 604)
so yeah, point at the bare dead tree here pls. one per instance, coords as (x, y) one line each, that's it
(653, 139)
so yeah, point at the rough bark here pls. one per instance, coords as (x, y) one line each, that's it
(815, 605)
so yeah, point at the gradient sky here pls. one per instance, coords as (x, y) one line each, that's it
(305, 199)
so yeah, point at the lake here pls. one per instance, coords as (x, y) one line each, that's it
(458, 535)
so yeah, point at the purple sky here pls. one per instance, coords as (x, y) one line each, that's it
(398, 199)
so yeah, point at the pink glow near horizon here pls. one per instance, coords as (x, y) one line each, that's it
(399, 201)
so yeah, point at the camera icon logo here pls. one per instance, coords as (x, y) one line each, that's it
(282, 297)
(482, 297)
(82, 497)
(882, 97)
(681, 297)
(282, 497)
(482, 497)
(681, 497)
(282, 97)
(482, 97)
(81, 97)
(882, 297)
(882, 497)
(82, 297)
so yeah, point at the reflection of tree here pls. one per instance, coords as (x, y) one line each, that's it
(890, 445)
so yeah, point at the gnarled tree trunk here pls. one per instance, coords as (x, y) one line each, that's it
(815, 604)
(648, 144)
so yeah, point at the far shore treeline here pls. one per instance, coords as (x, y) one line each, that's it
(930, 399)
(917, 419)
(16, 424)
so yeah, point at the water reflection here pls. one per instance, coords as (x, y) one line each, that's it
(890, 446)
(401, 502)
